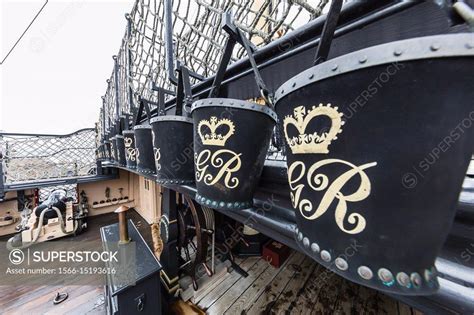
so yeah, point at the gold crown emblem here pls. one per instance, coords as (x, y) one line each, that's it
(214, 138)
(314, 142)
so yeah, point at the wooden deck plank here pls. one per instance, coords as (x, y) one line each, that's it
(284, 301)
(41, 301)
(82, 304)
(360, 301)
(319, 277)
(207, 284)
(327, 298)
(273, 290)
(221, 305)
(245, 301)
(229, 280)
(404, 309)
(386, 305)
(346, 298)
(371, 306)
(12, 300)
(204, 282)
(307, 291)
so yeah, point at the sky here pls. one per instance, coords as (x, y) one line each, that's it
(52, 82)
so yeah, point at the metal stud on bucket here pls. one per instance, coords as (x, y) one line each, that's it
(231, 138)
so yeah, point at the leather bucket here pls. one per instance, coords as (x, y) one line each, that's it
(173, 149)
(130, 151)
(120, 150)
(144, 149)
(231, 139)
(377, 148)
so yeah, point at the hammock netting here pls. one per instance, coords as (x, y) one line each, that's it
(198, 41)
(29, 158)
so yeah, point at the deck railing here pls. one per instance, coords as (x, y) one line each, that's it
(36, 157)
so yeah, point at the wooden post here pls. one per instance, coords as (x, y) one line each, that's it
(123, 224)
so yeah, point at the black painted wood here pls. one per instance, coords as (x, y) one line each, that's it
(142, 295)
(169, 256)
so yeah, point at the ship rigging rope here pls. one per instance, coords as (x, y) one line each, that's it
(198, 42)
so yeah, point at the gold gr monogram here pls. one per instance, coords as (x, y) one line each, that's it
(157, 158)
(223, 163)
(320, 182)
(225, 169)
(129, 151)
(318, 143)
(112, 149)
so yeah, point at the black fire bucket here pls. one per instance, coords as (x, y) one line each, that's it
(98, 153)
(120, 150)
(231, 139)
(173, 135)
(130, 151)
(102, 152)
(113, 149)
(107, 150)
(377, 150)
(173, 149)
(144, 149)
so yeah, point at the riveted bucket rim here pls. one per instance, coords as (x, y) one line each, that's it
(128, 132)
(142, 127)
(172, 118)
(419, 48)
(235, 103)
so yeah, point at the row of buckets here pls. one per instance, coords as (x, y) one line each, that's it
(377, 146)
(216, 149)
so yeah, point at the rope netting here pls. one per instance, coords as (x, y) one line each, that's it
(71, 191)
(40, 157)
(197, 38)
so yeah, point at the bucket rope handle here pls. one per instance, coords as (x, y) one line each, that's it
(236, 36)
